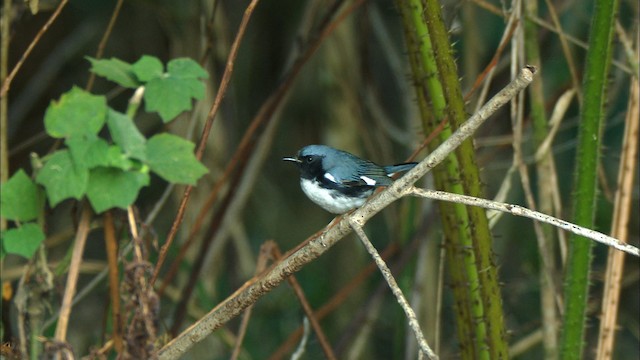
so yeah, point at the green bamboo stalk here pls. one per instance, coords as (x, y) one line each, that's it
(470, 174)
(476, 299)
(431, 104)
(585, 181)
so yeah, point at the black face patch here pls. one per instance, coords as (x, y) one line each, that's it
(310, 166)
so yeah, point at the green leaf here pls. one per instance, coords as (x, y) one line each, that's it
(88, 150)
(23, 241)
(112, 187)
(172, 93)
(62, 179)
(172, 158)
(77, 112)
(186, 68)
(115, 70)
(125, 133)
(147, 68)
(21, 199)
(169, 97)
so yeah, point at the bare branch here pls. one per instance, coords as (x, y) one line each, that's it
(395, 289)
(522, 211)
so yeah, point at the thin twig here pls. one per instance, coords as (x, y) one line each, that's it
(74, 270)
(262, 118)
(487, 74)
(111, 244)
(521, 211)
(559, 110)
(627, 44)
(505, 186)
(226, 77)
(580, 43)
(310, 316)
(338, 299)
(572, 39)
(232, 204)
(230, 208)
(126, 249)
(526, 343)
(263, 258)
(303, 341)
(619, 228)
(194, 275)
(393, 285)
(517, 120)
(103, 41)
(4, 100)
(5, 23)
(7, 82)
(562, 36)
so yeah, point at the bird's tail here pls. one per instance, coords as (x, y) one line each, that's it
(394, 169)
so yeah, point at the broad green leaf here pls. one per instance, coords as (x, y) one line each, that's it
(111, 187)
(62, 179)
(23, 241)
(125, 133)
(147, 68)
(168, 97)
(186, 68)
(116, 70)
(21, 199)
(88, 150)
(172, 93)
(77, 112)
(172, 158)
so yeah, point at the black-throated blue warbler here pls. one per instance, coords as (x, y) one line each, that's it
(339, 181)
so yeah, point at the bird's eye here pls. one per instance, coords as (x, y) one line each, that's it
(308, 159)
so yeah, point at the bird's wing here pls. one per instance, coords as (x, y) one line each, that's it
(365, 174)
(394, 169)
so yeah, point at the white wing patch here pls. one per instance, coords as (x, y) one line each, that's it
(330, 177)
(369, 181)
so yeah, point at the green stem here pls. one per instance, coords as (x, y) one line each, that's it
(495, 342)
(468, 241)
(585, 181)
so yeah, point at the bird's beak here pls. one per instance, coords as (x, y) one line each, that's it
(291, 159)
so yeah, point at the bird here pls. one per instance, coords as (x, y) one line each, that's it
(339, 181)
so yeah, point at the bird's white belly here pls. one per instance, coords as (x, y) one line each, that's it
(330, 200)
